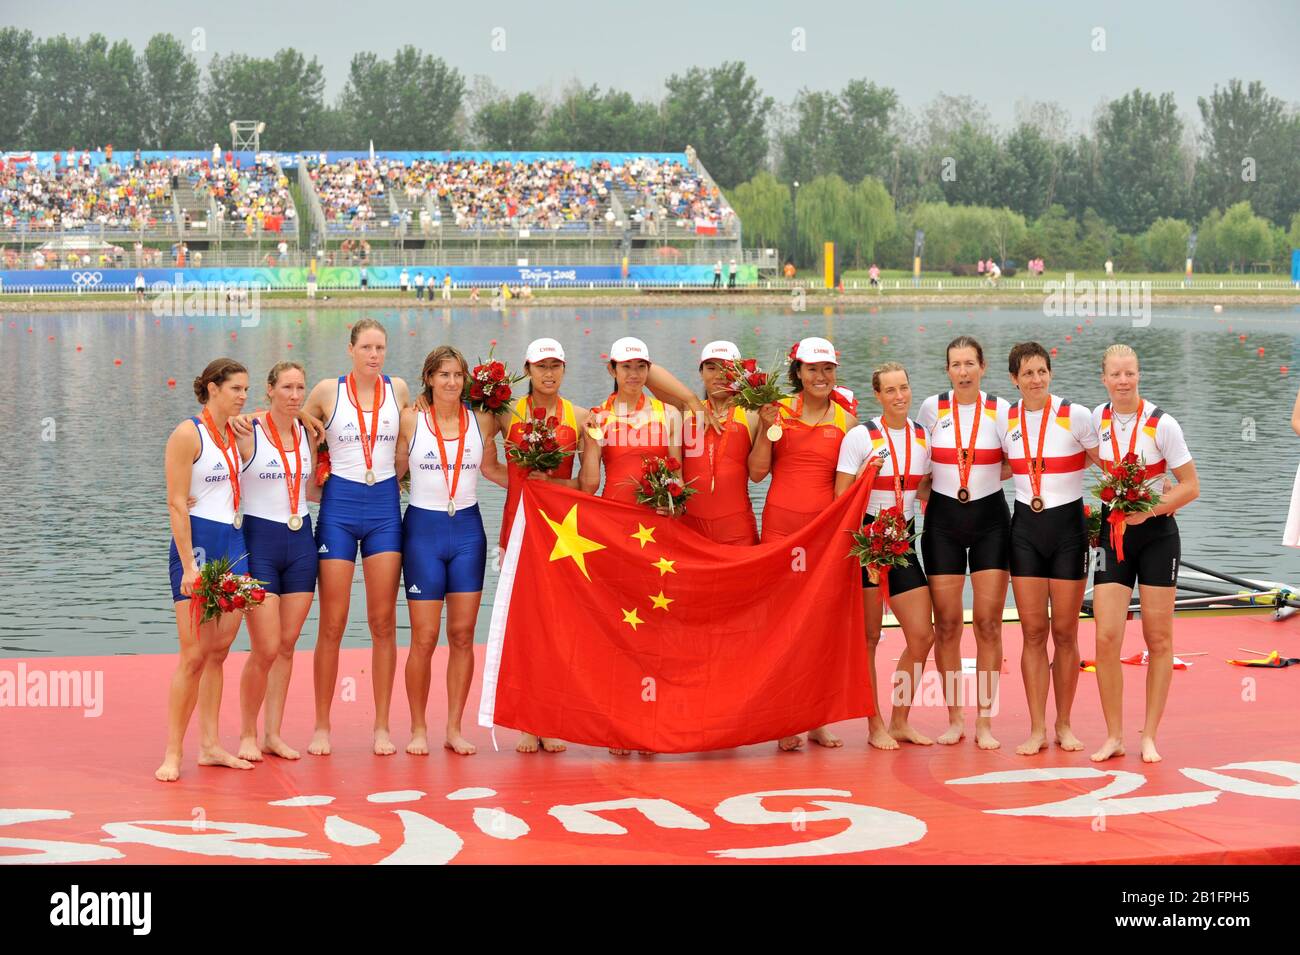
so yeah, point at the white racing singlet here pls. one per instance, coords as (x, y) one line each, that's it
(936, 416)
(428, 483)
(1069, 433)
(343, 435)
(210, 480)
(262, 488)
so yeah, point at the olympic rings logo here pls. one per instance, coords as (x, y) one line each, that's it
(82, 279)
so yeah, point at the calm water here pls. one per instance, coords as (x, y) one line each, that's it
(83, 553)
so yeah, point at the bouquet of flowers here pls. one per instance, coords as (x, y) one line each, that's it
(661, 485)
(1124, 491)
(751, 388)
(539, 448)
(882, 544)
(219, 591)
(1092, 521)
(322, 464)
(488, 387)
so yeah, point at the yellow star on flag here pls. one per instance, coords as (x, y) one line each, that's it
(665, 566)
(646, 535)
(629, 616)
(568, 542)
(660, 601)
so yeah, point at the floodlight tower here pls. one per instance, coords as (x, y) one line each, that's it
(245, 135)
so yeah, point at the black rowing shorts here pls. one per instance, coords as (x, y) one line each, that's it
(975, 535)
(1052, 543)
(1152, 551)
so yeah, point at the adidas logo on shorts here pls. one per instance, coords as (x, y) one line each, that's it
(323, 549)
(413, 589)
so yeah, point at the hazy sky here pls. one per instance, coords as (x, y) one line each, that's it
(996, 52)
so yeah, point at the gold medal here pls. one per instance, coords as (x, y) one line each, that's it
(295, 522)
(238, 522)
(596, 434)
(370, 477)
(774, 433)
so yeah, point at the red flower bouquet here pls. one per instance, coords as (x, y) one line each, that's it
(751, 387)
(882, 544)
(1124, 491)
(1092, 521)
(661, 485)
(219, 591)
(489, 386)
(539, 446)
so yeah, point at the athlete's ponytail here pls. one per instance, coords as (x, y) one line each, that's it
(216, 373)
(885, 369)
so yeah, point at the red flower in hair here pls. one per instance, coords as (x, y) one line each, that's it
(793, 350)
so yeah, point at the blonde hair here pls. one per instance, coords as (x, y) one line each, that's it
(885, 369)
(1118, 350)
(279, 368)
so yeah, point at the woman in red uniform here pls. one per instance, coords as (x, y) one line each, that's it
(895, 448)
(1129, 424)
(967, 526)
(717, 465)
(544, 364)
(1049, 442)
(803, 460)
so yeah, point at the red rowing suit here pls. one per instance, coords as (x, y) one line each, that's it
(717, 466)
(803, 470)
(567, 433)
(625, 446)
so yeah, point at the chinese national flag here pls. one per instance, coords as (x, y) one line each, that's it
(616, 626)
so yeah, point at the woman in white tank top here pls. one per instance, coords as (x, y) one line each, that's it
(444, 547)
(202, 463)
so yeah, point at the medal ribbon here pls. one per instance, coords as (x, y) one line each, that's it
(211, 425)
(367, 444)
(452, 483)
(899, 479)
(1036, 465)
(718, 446)
(965, 457)
(1132, 438)
(291, 485)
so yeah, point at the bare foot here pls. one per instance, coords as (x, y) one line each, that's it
(984, 737)
(249, 750)
(881, 739)
(615, 751)
(170, 770)
(824, 737)
(320, 743)
(904, 733)
(384, 744)
(553, 745)
(790, 743)
(1032, 746)
(1112, 747)
(419, 744)
(952, 735)
(527, 744)
(278, 747)
(1066, 739)
(1149, 754)
(216, 756)
(459, 744)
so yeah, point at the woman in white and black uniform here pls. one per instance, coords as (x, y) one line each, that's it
(1128, 424)
(967, 526)
(1049, 442)
(277, 484)
(895, 447)
(444, 547)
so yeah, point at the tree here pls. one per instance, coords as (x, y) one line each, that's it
(1243, 238)
(848, 135)
(61, 96)
(763, 205)
(1165, 245)
(1006, 230)
(722, 113)
(1054, 238)
(17, 79)
(872, 219)
(169, 95)
(285, 91)
(113, 104)
(510, 123)
(587, 120)
(1249, 141)
(410, 102)
(1139, 142)
(1026, 172)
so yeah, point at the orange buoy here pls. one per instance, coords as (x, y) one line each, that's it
(493, 342)
(234, 335)
(157, 321)
(1053, 351)
(78, 348)
(1069, 338)
(586, 331)
(692, 341)
(117, 361)
(920, 328)
(51, 338)
(884, 340)
(1241, 338)
(171, 382)
(1078, 328)
(604, 355)
(288, 345)
(1260, 353)
(1283, 369)
(30, 330)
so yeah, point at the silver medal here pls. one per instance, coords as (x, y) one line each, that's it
(370, 477)
(451, 508)
(295, 523)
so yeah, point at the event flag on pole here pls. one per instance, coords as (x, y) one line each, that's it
(614, 625)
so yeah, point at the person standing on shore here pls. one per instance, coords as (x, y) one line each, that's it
(731, 274)
(717, 274)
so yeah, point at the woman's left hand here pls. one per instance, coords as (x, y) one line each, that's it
(1133, 519)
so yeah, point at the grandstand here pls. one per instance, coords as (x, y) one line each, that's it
(432, 209)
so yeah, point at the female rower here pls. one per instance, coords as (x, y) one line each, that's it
(1130, 425)
(895, 448)
(803, 461)
(544, 364)
(444, 547)
(967, 526)
(276, 481)
(1049, 442)
(717, 465)
(202, 465)
(360, 506)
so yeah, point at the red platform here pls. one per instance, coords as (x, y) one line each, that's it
(79, 788)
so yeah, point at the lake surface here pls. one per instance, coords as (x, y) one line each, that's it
(83, 552)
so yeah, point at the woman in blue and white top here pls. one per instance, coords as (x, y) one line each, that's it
(360, 507)
(444, 547)
(896, 448)
(202, 464)
(277, 483)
